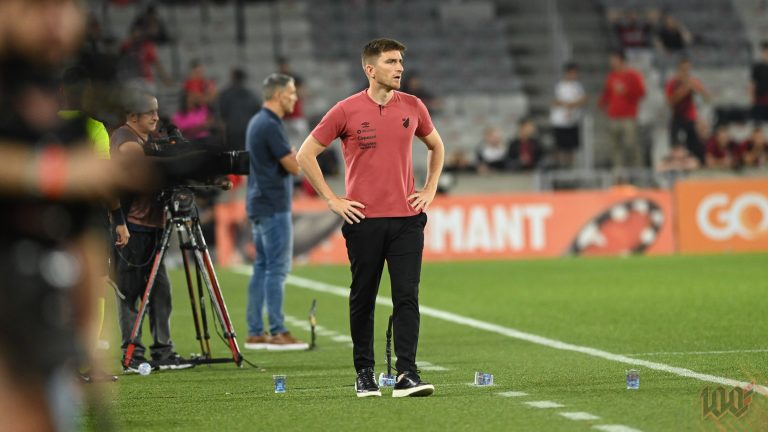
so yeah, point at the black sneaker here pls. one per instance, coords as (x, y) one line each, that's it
(133, 366)
(409, 384)
(172, 362)
(365, 384)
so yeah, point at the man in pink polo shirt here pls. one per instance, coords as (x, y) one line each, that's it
(383, 211)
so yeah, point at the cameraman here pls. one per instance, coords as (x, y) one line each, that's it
(145, 219)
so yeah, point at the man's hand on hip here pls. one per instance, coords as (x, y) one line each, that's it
(421, 199)
(347, 209)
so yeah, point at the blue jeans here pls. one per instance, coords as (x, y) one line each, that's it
(273, 237)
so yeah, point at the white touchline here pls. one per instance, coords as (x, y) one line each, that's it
(615, 428)
(513, 394)
(660, 353)
(580, 415)
(544, 404)
(540, 340)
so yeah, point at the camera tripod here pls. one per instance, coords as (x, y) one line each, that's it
(182, 216)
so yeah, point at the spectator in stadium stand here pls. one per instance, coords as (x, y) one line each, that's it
(703, 131)
(139, 60)
(632, 31)
(194, 119)
(722, 151)
(153, 25)
(680, 91)
(200, 88)
(491, 153)
(755, 149)
(624, 89)
(415, 86)
(672, 37)
(458, 162)
(671, 41)
(679, 162)
(524, 152)
(566, 115)
(759, 86)
(235, 106)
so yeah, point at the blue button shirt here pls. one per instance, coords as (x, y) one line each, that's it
(270, 186)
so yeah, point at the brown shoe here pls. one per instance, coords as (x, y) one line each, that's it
(286, 342)
(258, 342)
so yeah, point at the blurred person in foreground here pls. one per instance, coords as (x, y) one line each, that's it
(270, 188)
(51, 184)
(384, 213)
(76, 88)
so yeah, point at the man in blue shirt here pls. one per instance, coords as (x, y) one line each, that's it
(270, 186)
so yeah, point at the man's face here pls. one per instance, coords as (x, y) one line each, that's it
(684, 68)
(616, 62)
(146, 121)
(388, 70)
(288, 97)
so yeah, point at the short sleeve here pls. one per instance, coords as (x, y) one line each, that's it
(425, 126)
(670, 88)
(150, 55)
(331, 126)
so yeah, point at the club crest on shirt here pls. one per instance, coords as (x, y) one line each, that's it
(406, 122)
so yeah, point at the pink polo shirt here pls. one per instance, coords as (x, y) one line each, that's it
(377, 145)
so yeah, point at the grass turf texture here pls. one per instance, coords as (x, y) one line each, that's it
(623, 306)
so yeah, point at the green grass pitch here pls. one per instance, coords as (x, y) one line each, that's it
(704, 313)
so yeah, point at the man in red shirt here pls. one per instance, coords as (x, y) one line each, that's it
(383, 211)
(680, 90)
(623, 91)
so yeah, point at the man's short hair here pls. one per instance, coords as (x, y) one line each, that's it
(239, 75)
(620, 54)
(570, 66)
(273, 83)
(376, 47)
(764, 45)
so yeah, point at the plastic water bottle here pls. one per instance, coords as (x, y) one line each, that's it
(633, 379)
(145, 369)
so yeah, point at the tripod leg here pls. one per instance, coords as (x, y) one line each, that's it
(203, 314)
(158, 261)
(212, 282)
(185, 246)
